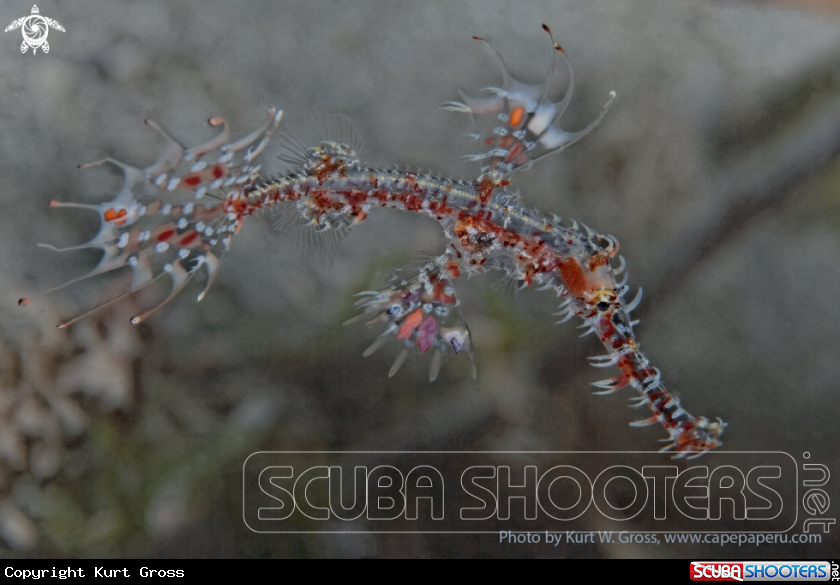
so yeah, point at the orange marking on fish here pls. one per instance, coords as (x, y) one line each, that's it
(112, 214)
(516, 116)
(573, 277)
(439, 294)
(410, 324)
(598, 260)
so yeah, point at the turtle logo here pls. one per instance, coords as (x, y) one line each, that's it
(35, 29)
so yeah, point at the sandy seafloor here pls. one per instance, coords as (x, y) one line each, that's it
(716, 169)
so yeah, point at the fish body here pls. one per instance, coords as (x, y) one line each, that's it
(207, 192)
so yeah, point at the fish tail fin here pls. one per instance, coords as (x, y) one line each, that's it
(172, 217)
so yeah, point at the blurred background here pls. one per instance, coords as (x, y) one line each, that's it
(717, 169)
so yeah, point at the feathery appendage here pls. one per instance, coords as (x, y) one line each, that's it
(329, 191)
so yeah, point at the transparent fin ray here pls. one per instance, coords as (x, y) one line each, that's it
(180, 278)
(109, 302)
(318, 245)
(297, 140)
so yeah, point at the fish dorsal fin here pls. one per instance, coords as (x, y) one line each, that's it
(315, 128)
(304, 146)
(527, 124)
